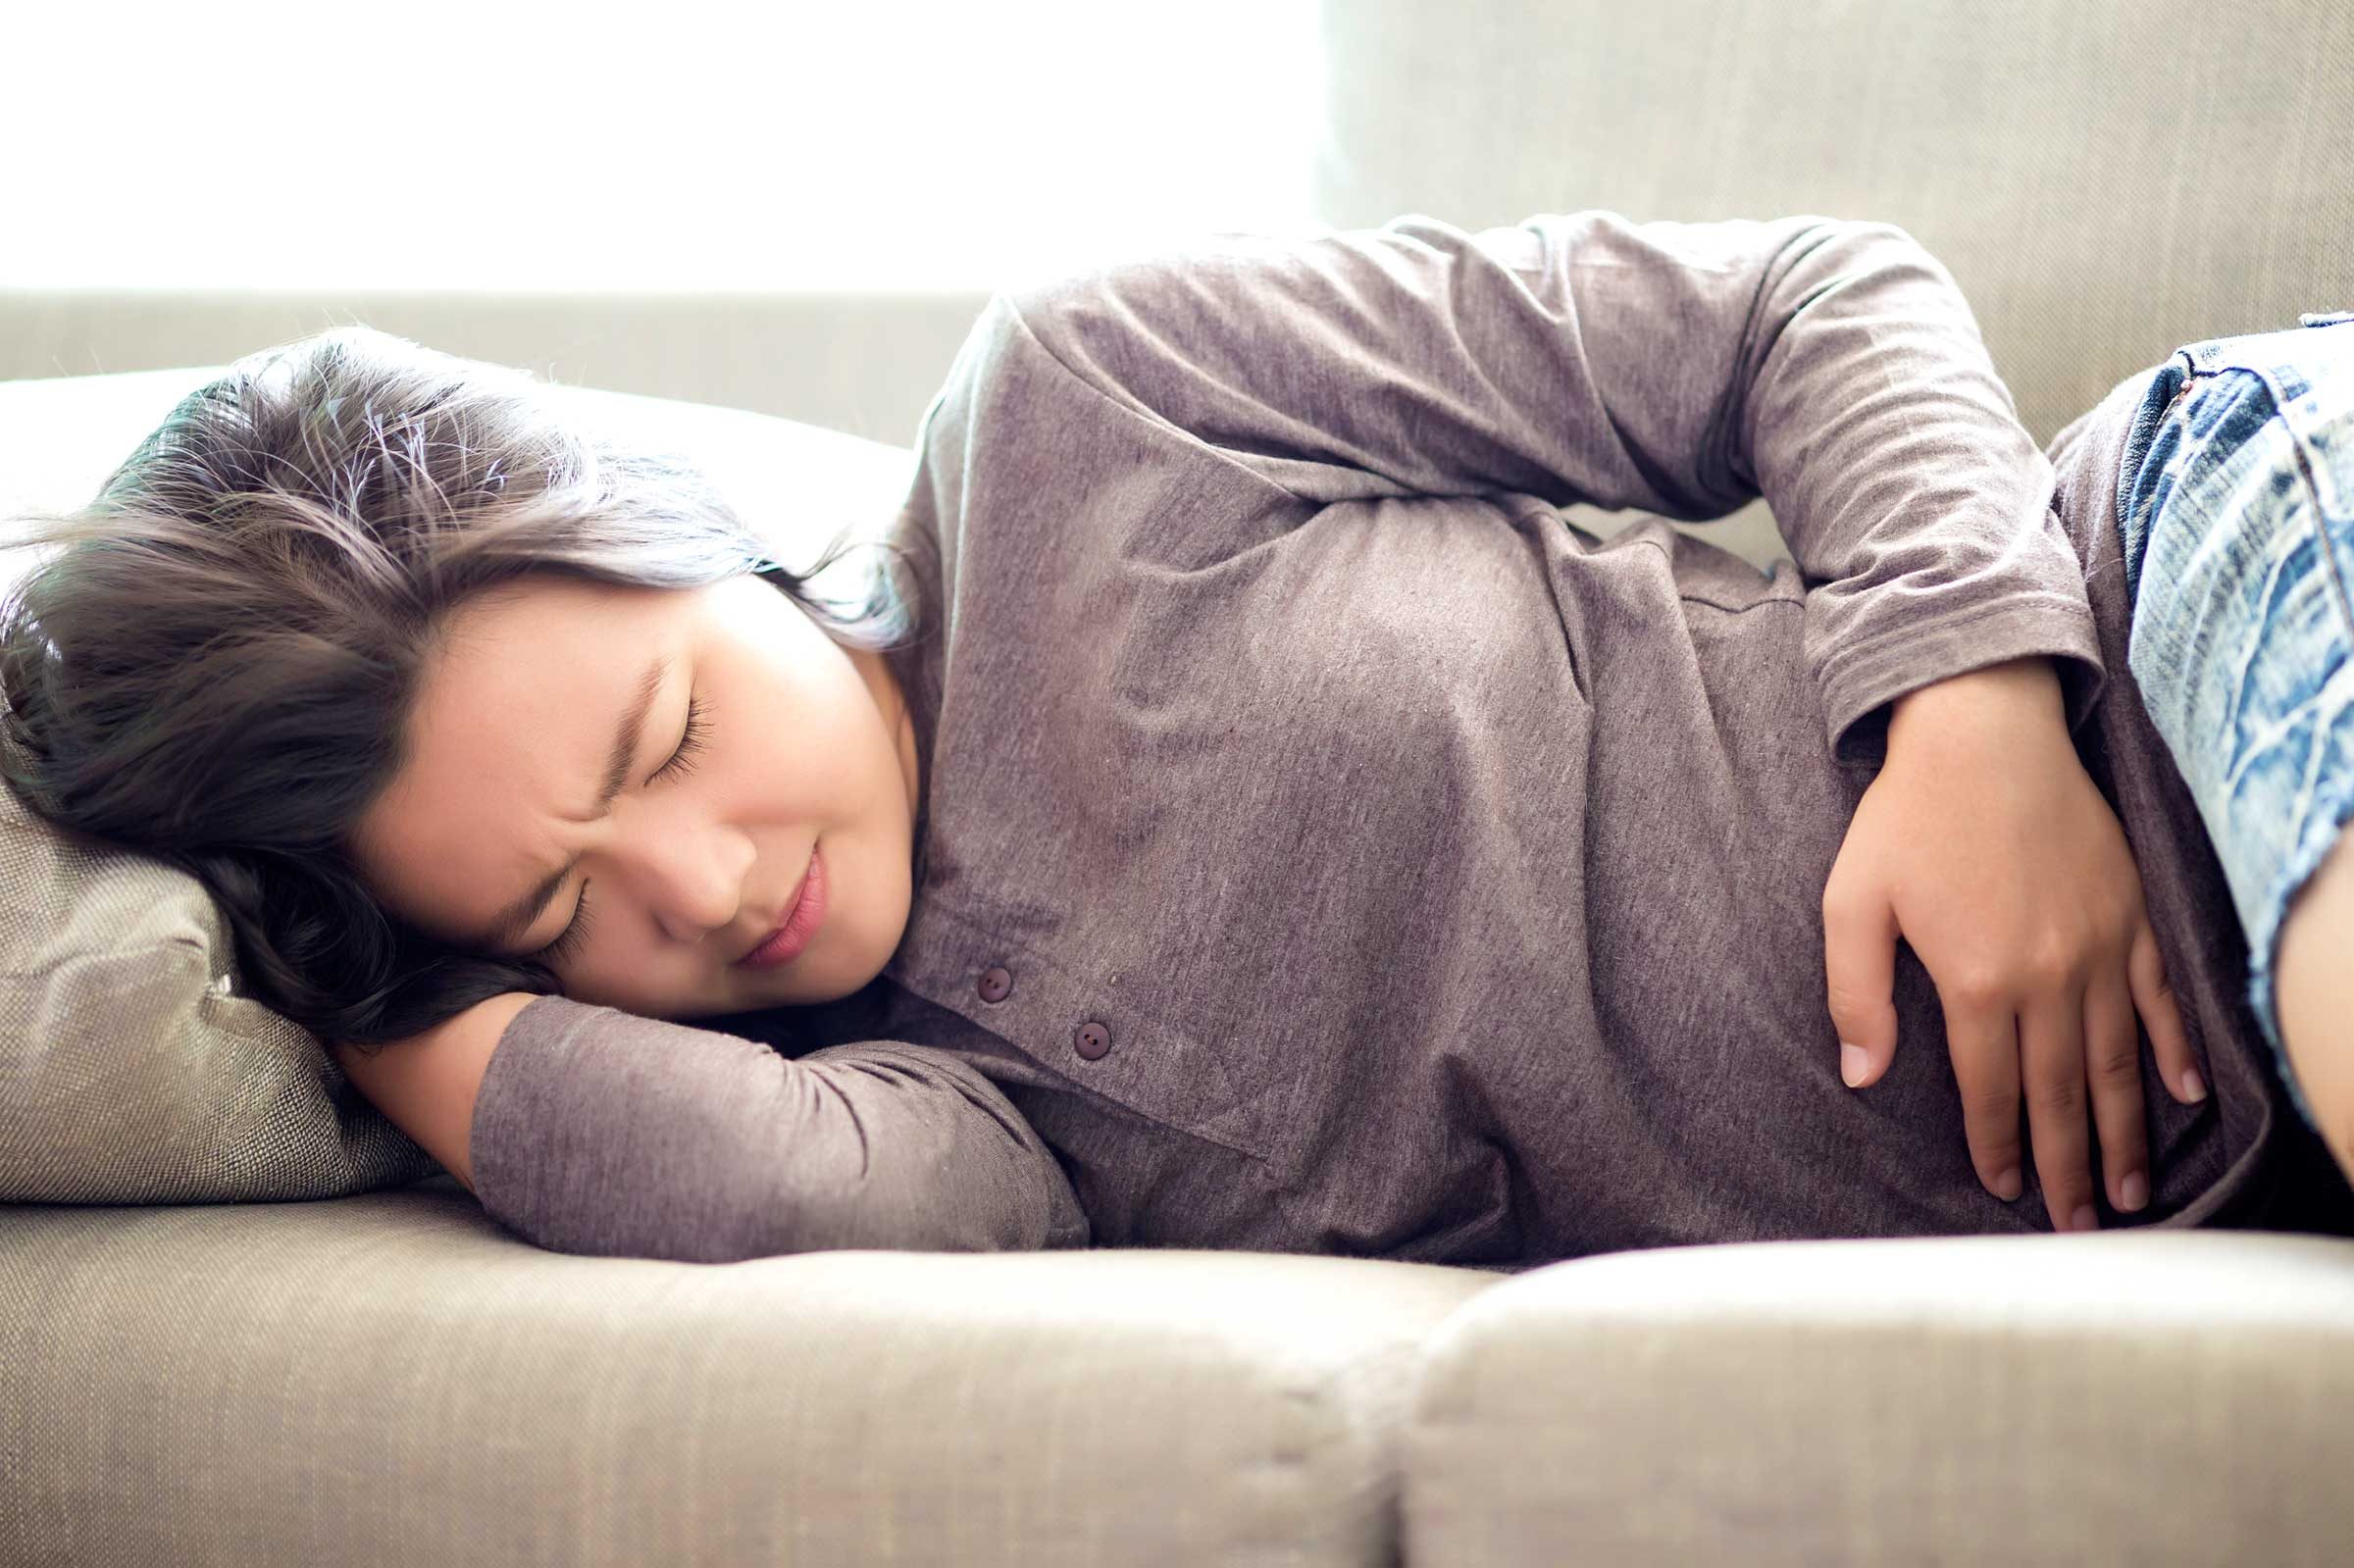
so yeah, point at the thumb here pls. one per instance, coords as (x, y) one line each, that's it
(1858, 951)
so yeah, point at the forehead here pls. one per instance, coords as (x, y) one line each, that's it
(507, 743)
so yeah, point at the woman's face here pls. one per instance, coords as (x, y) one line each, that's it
(800, 744)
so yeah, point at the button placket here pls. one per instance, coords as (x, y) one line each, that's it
(1090, 1039)
(1070, 1022)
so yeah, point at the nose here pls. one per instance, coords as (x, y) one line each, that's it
(685, 928)
(698, 887)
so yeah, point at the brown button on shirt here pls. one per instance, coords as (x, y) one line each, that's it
(1329, 847)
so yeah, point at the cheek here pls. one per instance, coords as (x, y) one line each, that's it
(639, 987)
(799, 757)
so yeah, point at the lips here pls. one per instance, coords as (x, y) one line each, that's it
(798, 921)
(791, 906)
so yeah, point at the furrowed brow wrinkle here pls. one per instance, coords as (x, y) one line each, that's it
(517, 917)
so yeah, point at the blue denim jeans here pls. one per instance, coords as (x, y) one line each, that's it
(2235, 512)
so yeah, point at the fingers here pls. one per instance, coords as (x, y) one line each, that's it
(1859, 961)
(2052, 1064)
(1985, 1054)
(2162, 1016)
(2066, 1054)
(2113, 1070)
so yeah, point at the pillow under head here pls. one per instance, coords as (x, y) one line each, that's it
(131, 1071)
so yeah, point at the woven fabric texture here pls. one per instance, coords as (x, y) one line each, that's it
(131, 1071)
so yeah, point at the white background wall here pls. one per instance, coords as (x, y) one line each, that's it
(694, 144)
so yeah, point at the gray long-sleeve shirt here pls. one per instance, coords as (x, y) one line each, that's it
(1326, 846)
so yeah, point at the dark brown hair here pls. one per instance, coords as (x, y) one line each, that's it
(218, 665)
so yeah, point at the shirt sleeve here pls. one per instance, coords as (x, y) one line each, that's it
(599, 1131)
(1831, 366)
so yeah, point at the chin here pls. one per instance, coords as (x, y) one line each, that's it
(835, 982)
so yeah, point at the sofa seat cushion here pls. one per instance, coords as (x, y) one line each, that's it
(2122, 1397)
(391, 1378)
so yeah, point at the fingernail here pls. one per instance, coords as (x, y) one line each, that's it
(2086, 1219)
(1853, 1063)
(2192, 1089)
(2007, 1185)
(2136, 1192)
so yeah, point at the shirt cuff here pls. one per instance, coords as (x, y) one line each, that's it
(1858, 692)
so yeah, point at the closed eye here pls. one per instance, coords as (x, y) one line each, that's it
(682, 763)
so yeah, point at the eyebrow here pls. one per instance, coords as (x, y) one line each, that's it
(513, 921)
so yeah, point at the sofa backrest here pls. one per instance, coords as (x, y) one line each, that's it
(2106, 180)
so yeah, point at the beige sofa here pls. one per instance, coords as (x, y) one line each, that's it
(237, 1328)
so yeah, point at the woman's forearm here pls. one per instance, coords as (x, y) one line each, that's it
(426, 1085)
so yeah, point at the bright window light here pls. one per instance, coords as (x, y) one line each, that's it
(691, 144)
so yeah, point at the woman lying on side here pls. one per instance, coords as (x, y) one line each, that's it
(1245, 813)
